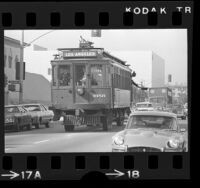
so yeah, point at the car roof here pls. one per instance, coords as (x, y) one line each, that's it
(11, 105)
(143, 103)
(153, 113)
(31, 104)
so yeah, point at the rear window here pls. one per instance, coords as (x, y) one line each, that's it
(144, 105)
(11, 110)
(32, 107)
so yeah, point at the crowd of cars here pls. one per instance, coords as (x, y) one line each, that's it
(180, 110)
(18, 117)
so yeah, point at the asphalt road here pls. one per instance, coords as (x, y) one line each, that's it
(55, 139)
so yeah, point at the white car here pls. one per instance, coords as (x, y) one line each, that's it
(144, 106)
(40, 114)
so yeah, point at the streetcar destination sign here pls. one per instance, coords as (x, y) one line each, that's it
(79, 54)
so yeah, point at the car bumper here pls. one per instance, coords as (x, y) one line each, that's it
(9, 126)
(119, 148)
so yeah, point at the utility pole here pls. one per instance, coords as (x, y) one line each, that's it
(21, 68)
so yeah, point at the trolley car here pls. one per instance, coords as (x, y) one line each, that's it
(89, 86)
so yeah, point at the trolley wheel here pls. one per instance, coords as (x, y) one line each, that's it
(37, 125)
(69, 128)
(28, 127)
(17, 127)
(104, 123)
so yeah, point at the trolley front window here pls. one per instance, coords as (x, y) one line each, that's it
(97, 75)
(64, 75)
(80, 75)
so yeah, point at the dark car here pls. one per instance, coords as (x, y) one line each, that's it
(151, 131)
(16, 118)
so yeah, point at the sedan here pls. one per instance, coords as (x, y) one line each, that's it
(151, 131)
(16, 118)
(39, 114)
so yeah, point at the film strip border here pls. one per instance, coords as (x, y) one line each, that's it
(88, 15)
(100, 166)
(94, 15)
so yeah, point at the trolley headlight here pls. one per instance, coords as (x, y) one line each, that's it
(80, 91)
(119, 140)
(173, 143)
(9, 120)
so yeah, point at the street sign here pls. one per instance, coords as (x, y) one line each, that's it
(96, 33)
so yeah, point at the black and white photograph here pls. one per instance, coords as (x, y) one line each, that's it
(112, 90)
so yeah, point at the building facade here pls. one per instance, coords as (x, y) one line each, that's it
(149, 68)
(11, 56)
(36, 88)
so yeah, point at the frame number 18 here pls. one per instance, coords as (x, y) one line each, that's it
(133, 174)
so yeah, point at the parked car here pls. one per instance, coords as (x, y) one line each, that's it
(151, 131)
(16, 118)
(39, 114)
(144, 106)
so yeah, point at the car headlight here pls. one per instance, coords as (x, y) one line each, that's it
(173, 143)
(80, 91)
(9, 120)
(119, 140)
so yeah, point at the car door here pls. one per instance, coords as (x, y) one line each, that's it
(48, 113)
(23, 116)
(44, 114)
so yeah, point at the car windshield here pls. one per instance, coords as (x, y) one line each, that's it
(144, 105)
(158, 122)
(11, 110)
(32, 108)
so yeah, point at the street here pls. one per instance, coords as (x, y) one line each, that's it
(55, 139)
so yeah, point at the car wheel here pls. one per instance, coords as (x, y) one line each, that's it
(28, 127)
(47, 125)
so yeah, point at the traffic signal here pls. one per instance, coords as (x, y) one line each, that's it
(17, 76)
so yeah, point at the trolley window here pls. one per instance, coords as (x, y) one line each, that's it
(64, 75)
(80, 75)
(54, 75)
(97, 75)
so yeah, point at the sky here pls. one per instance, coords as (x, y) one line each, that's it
(170, 44)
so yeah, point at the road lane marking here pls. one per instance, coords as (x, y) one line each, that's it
(40, 141)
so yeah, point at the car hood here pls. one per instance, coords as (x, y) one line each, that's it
(12, 115)
(148, 138)
(144, 109)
